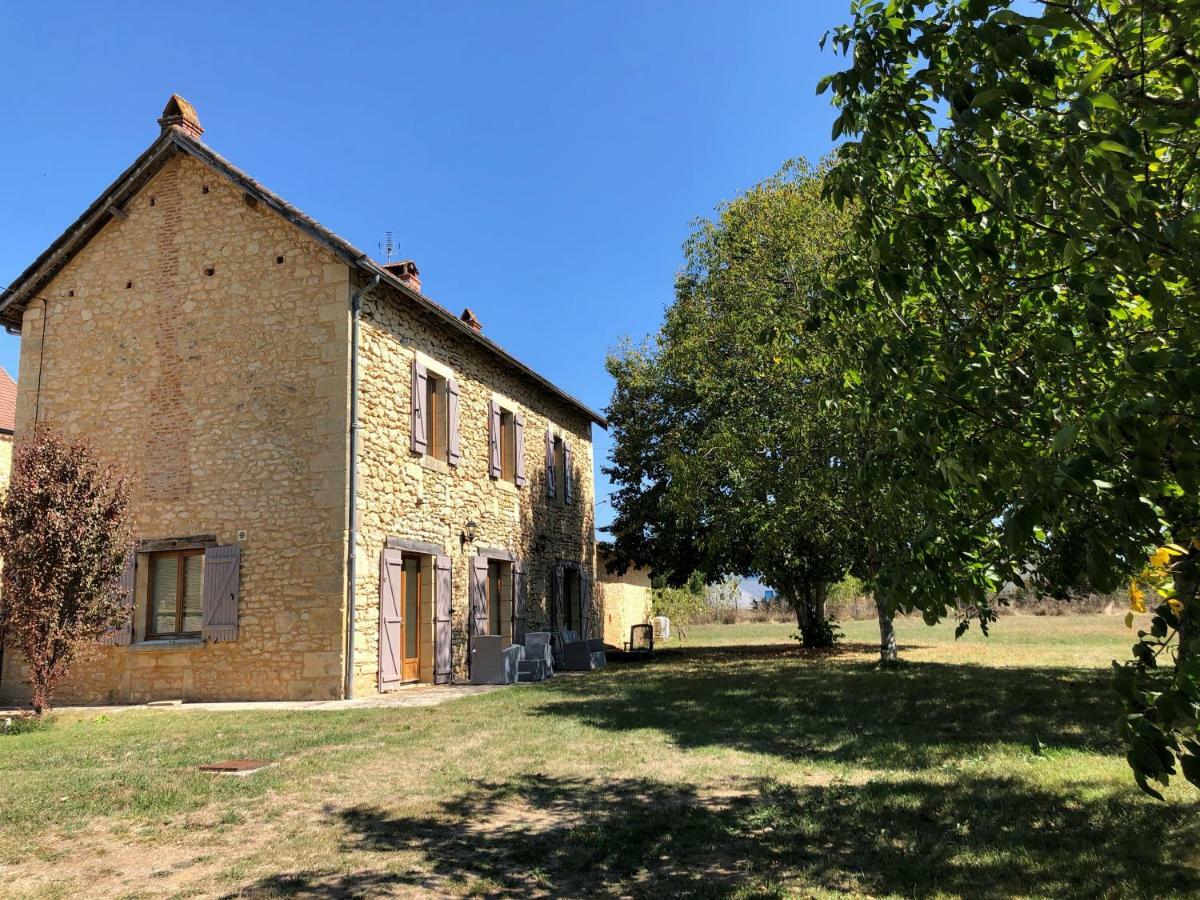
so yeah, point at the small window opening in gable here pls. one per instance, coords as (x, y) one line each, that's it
(128, 285)
(204, 190)
(153, 201)
(71, 293)
(279, 260)
(437, 419)
(210, 271)
(508, 445)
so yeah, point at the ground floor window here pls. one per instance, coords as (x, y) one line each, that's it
(176, 603)
(564, 598)
(499, 597)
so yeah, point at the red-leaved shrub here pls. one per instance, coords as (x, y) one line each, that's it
(64, 538)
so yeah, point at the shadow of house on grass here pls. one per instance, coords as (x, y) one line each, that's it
(537, 836)
(915, 716)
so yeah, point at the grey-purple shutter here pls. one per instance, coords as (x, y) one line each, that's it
(494, 439)
(585, 605)
(122, 635)
(568, 473)
(478, 592)
(562, 615)
(454, 448)
(443, 588)
(519, 449)
(420, 434)
(551, 479)
(391, 574)
(520, 602)
(222, 571)
(219, 620)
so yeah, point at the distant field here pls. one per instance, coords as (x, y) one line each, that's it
(732, 765)
(1082, 640)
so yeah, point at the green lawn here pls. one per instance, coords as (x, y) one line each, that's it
(732, 764)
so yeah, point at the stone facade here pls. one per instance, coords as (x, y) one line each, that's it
(414, 497)
(224, 396)
(201, 339)
(625, 601)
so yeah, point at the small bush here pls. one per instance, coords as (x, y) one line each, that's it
(12, 725)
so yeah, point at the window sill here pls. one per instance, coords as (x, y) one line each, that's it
(506, 485)
(433, 464)
(168, 644)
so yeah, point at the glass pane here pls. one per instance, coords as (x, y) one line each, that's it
(193, 592)
(412, 596)
(493, 598)
(164, 579)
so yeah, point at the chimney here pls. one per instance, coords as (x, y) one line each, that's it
(472, 320)
(406, 270)
(178, 113)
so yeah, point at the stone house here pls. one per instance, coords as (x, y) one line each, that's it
(8, 417)
(337, 482)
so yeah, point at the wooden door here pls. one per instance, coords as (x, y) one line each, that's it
(410, 622)
(391, 583)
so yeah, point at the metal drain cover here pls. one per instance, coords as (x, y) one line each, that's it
(236, 766)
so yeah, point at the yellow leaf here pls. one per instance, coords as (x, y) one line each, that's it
(1128, 620)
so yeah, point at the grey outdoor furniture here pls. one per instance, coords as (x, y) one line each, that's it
(495, 659)
(579, 655)
(538, 663)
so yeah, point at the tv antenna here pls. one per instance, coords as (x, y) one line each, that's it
(386, 247)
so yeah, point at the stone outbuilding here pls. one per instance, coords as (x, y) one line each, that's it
(337, 482)
(625, 600)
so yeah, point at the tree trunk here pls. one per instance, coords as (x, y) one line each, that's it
(1186, 585)
(887, 633)
(815, 632)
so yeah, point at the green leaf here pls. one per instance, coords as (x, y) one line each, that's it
(1064, 437)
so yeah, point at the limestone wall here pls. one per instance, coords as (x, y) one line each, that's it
(413, 497)
(626, 601)
(225, 396)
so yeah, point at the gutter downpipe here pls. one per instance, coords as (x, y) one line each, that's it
(352, 512)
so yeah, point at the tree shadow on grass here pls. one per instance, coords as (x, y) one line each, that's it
(801, 707)
(989, 837)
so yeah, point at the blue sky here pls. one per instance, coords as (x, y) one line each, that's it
(541, 161)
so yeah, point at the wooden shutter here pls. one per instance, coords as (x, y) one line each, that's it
(560, 611)
(443, 588)
(454, 445)
(122, 635)
(519, 449)
(391, 577)
(420, 431)
(478, 598)
(494, 439)
(585, 603)
(568, 476)
(219, 620)
(520, 601)
(551, 480)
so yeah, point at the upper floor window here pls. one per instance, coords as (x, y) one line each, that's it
(434, 414)
(560, 469)
(176, 582)
(436, 418)
(506, 444)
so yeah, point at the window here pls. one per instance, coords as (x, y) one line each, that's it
(499, 598)
(508, 446)
(560, 473)
(176, 583)
(437, 420)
